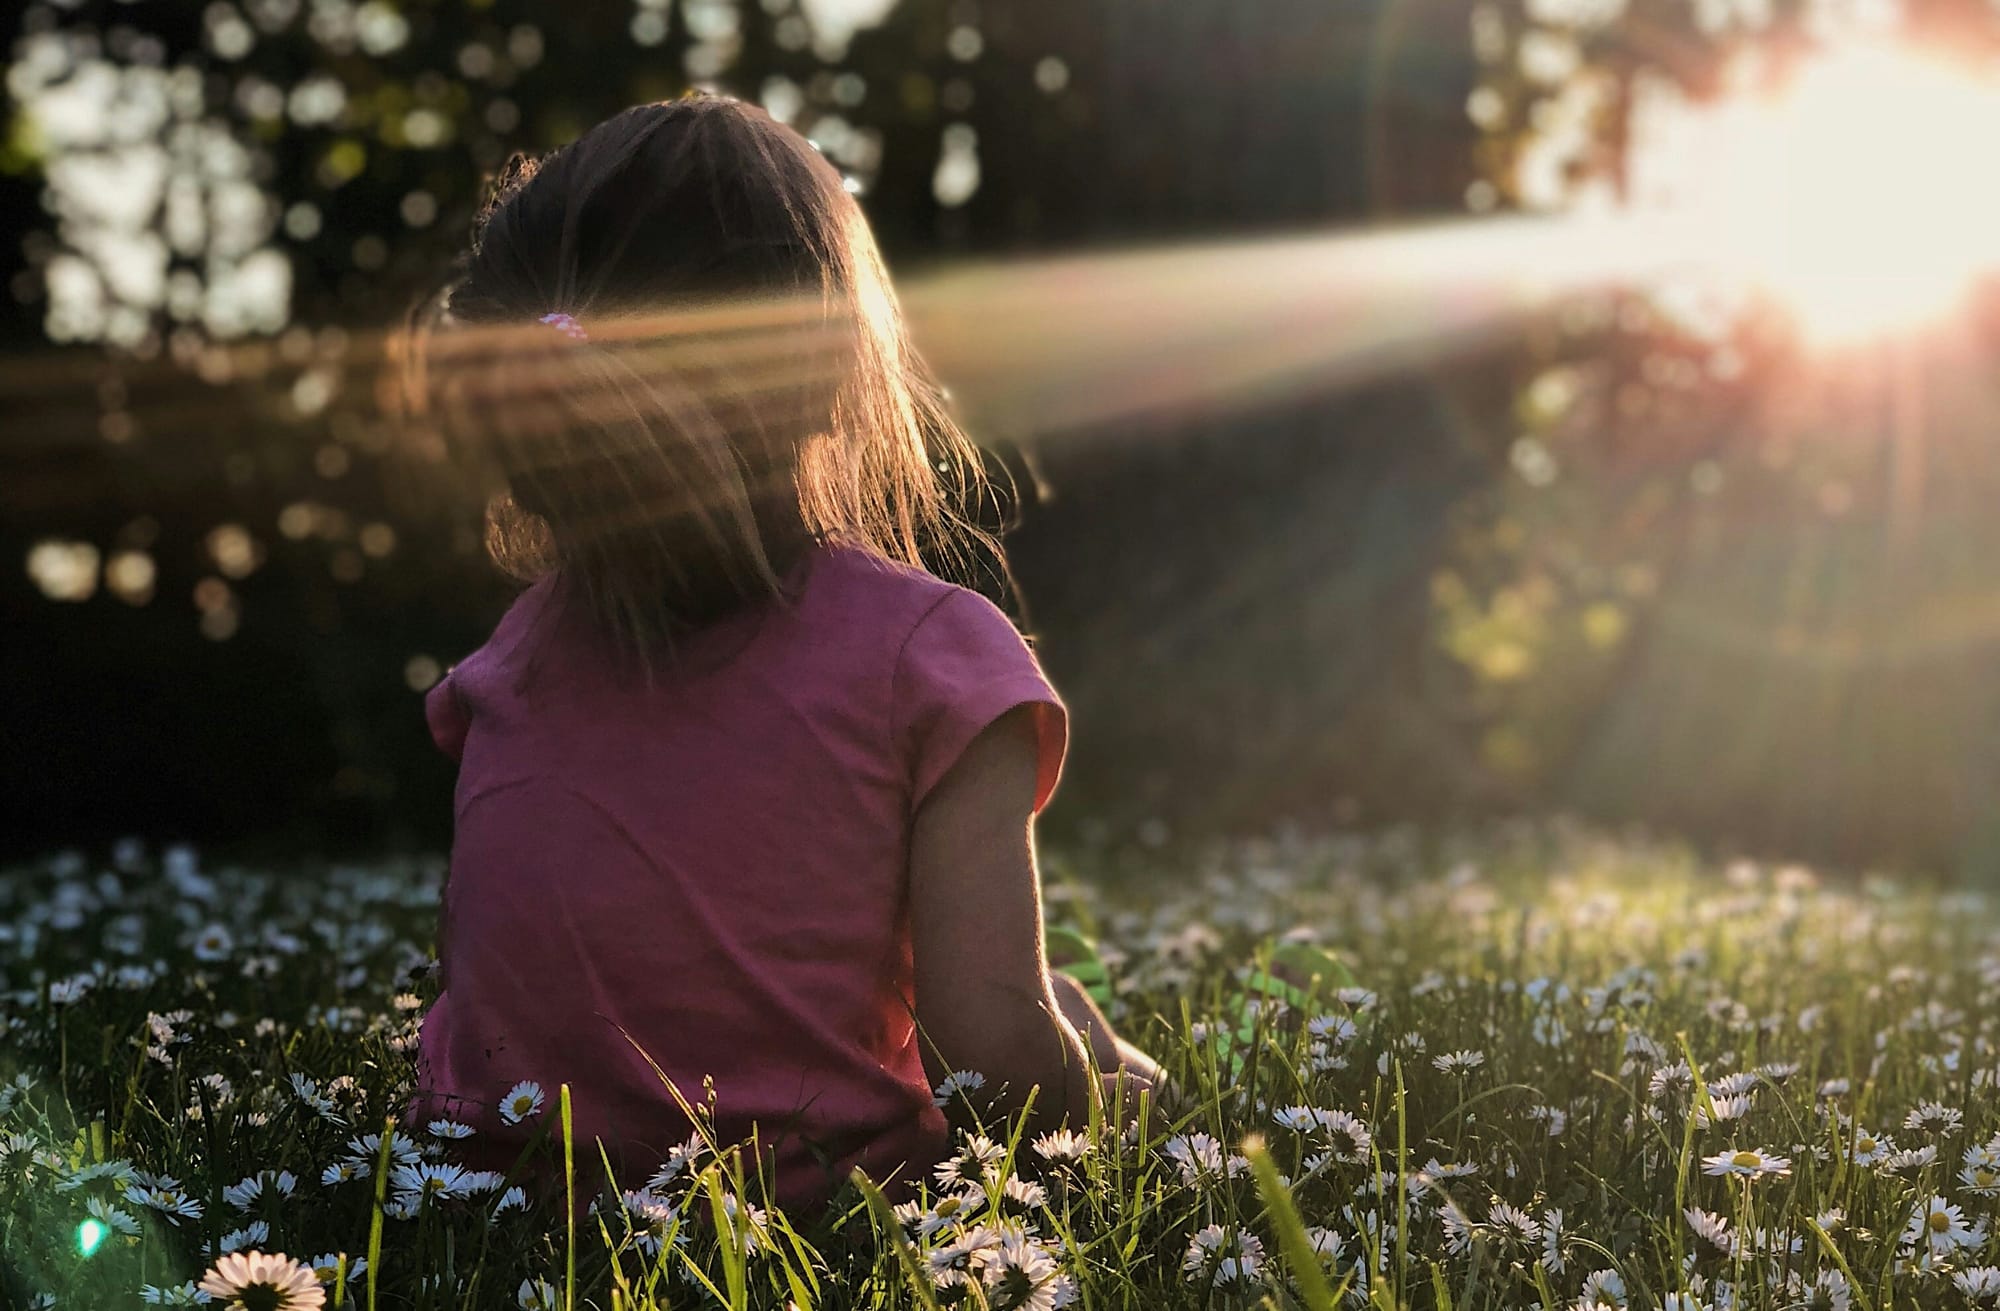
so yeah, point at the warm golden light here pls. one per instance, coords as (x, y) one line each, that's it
(1862, 196)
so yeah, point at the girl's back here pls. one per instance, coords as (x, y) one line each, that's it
(708, 875)
(739, 798)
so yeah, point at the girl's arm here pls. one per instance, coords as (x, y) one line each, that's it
(985, 998)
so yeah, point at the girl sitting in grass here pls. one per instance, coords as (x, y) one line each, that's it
(745, 794)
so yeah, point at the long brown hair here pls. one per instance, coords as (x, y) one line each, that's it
(732, 381)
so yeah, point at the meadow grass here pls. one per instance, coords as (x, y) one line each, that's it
(1575, 1073)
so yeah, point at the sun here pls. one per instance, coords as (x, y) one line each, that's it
(1862, 194)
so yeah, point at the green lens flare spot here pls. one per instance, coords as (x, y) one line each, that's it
(90, 1236)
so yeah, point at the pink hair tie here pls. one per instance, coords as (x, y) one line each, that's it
(567, 325)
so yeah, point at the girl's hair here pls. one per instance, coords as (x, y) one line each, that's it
(740, 386)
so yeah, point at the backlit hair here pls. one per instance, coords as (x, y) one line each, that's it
(740, 386)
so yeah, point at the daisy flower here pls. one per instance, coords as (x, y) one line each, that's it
(1459, 1062)
(1552, 1236)
(168, 1201)
(1457, 1228)
(1826, 1291)
(1325, 1243)
(250, 1235)
(1867, 1149)
(172, 1295)
(1024, 1193)
(245, 1195)
(537, 1295)
(1603, 1288)
(213, 943)
(1235, 1257)
(1713, 1230)
(522, 1100)
(341, 1171)
(958, 1081)
(448, 1129)
(1197, 1155)
(1332, 1028)
(1061, 1145)
(1750, 1163)
(950, 1264)
(1300, 1119)
(752, 1224)
(974, 1160)
(1934, 1117)
(1732, 1085)
(1938, 1229)
(1982, 1180)
(1347, 1137)
(440, 1181)
(270, 1282)
(1724, 1108)
(1019, 1275)
(1511, 1224)
(326, 1267)
(116, 1219)
(1979, 1283)
(1911, 1159)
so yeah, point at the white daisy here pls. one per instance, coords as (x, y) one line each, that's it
(1934, 1117)
(1712, 1229)
(173, 1295)
(1234, 1256)
(440, 1181)
(342, 1171)
(1552, 1236)
(1938, 1229)
(113, 1218)
(1513, 1225)
(246, 1194)
(1750, 1163)
(1868, 1149)
(250, 1235)
(974, 1160)
(1602, 1288)
(326, 1267)
(171, 1202)
(1018, 1274)
(1979, 1283)
(1061, 1145)
(272, 1282)
(1725, 1108)
(522, 1100)
(1197, 1154)
(958, 1081)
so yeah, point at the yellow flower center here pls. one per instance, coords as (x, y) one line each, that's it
(1939, 1222)
(949, 1206)
(1746, 1160)
(1984, 1177)
(1865, 1145)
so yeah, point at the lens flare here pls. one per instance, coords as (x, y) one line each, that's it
(90, 1236)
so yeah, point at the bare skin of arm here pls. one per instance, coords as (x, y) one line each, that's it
(986, 1000)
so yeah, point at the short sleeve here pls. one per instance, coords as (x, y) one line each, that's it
(445, 714)
(963, 667)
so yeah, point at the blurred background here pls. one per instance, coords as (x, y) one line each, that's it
(1422, 409)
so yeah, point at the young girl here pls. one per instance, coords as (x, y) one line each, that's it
(745, 794)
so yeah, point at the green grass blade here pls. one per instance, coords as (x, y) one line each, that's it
(1284, 1216)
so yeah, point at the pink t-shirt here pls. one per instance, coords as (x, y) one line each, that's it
(715, 871)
